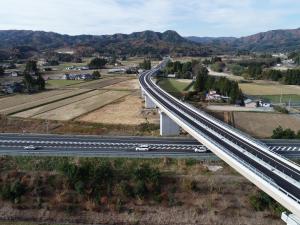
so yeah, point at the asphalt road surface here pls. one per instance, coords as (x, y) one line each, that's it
(109, 146)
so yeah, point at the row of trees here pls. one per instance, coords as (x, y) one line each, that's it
(280, 133)
(183, 70)
(252, 68)
(222, 85)
(291, 76)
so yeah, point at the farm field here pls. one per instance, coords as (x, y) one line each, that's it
(45, 108)
(101, 83)
(35, 103)
(261, 125)
(132, 84)
(131, 114)
(117, 95)
(10, 101)
(62, 83)
(269, 88)
(79, 108)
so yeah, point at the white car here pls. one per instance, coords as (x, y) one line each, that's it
(200, 149)
(142, 148)
(30, 147)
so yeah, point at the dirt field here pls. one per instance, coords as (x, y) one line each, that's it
(30, 103)
(132, 84)
(98, 84)
(18, 99)
(45, 108)
(127, 110)
(261, 125)
(79, 108)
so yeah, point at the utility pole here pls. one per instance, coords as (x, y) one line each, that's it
(281, 96)
(47, 126)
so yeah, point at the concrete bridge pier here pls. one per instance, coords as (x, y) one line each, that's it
(142, 92)
(167, 126)
(149, 104)
(290, 219)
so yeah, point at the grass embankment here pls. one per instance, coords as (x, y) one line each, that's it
(128, 191)
(176, 86)
(19, 125)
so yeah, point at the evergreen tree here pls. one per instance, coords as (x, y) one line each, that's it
(28, 81)
(31, 67)
(201, 79)
(40, 82)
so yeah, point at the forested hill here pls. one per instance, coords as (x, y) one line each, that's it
(270, 41)
(135, 44)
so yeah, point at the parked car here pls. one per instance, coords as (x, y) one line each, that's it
(200, 149)
(142, 148)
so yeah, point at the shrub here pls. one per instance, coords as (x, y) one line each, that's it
(140, 189)
(13, 191)
(262, 201)
(280, 109)
(280, 133)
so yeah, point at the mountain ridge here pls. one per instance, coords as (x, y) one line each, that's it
(137, 43)
(27, 43)
(273, 40)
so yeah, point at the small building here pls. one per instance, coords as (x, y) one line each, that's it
(213, 96)
(117, 70)
(86, 76)
(14, 74)
(171, 75)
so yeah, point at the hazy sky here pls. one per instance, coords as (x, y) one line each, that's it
(187, 17)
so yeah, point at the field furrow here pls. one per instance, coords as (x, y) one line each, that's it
(39, 102)
(98, 84)
(55, 105)
(25, 98)
(76, 109)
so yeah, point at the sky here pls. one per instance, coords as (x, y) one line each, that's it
(188, 17)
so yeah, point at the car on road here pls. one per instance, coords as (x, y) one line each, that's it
(142, 148)
(200, 149)
(30, 147)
